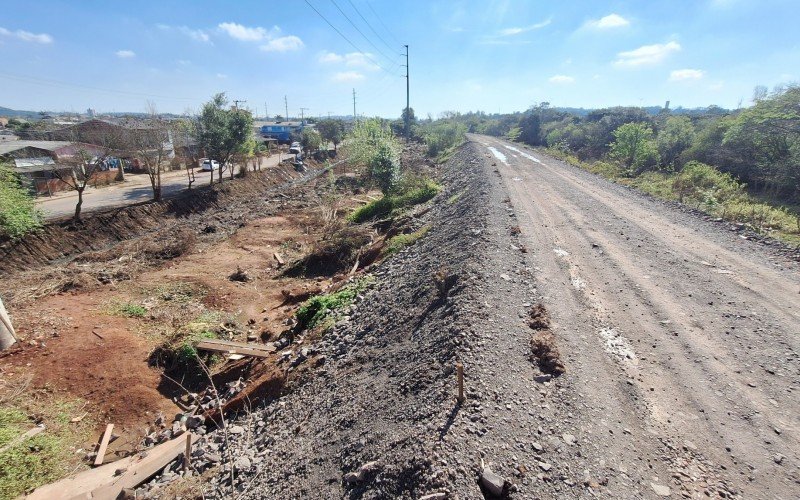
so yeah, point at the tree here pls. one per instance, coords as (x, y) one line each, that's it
(331, 131)
(182, 130)
(311, 139)
(152, 146)
(676, 136)
(80, 169)
(18, 214)
(222, 131)
(634, 147)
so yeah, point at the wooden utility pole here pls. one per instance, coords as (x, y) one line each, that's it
(355, 116)
(7, 335)
(286, 104)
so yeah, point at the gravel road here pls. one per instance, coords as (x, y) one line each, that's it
(680, 338)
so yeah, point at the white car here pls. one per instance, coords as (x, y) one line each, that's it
(207, 165)
(295, 148)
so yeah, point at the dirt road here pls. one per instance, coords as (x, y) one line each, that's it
(681, 337)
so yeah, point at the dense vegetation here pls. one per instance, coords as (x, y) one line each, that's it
(18, 215)
(743, 165)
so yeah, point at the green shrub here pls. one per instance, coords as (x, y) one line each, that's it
(371, 144)
(441, 135)
(316, 309)
(407, 193)
(127, 309)
(384, 166)
(657, 184)
(18, 213)
(401, 241)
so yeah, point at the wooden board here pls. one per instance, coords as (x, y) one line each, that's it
(103, 482)
(101, 452)
(255, 350)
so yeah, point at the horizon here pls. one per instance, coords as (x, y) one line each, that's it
(499, 57)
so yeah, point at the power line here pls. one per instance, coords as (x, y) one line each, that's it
(382, 24)
(359, 31)
(345, 38)
(58, 83)
(369, 25)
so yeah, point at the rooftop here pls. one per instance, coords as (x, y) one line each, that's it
(11, 146)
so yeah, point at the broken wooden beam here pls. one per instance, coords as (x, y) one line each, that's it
(278, 259)
(107, 481)
(101, 451)
(247, 349)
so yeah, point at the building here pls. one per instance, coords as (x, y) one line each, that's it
(281, 131)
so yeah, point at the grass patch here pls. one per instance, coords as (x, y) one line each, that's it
(407, 194)
(46, 457)
(127, 309)
(401, 241)
(455, 197)
(178, 351)
(317, 310)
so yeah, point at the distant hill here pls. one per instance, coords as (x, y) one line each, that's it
(15, 112)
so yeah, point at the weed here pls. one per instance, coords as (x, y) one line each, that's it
(455, 198)
(45, 457)
(321, 307)
(401, 241)
(127, 309)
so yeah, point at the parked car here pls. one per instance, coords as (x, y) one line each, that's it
(207, 165)
(295, 148)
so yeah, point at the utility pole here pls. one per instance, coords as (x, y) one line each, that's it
(286, 103)
(355, 116)
(266, 111)
(408, 101)
(329, 115)
(236, 103)
(302, 114)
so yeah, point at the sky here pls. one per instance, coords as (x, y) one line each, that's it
(491, 55)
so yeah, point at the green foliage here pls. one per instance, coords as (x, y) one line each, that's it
(401, 241)
(513, 134)
(186, 352)
(408, 193)
(318, 308)
(442, 135)
(18, 214)
(705, 185)
(635, 147)
(373, 145)
(331, 131)
(128, 309)
(311, 139)
(677, 136)
(44, 458)
(220, 131)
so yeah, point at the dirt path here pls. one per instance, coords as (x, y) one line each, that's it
(680, 339)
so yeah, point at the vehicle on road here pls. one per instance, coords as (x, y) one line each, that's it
(295, 148)
(206, 165)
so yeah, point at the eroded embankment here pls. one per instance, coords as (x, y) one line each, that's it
(385, 392)
(58, 242)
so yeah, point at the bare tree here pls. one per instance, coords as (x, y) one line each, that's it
(152, 145)
(77, 172)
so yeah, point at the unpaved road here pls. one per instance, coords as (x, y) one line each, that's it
(681, 338)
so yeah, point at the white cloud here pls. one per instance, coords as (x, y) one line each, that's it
(27, 36)
(680, 75)
(609, 22)
(197, 35)
(646, 54)
(347, 76)
(283, 44)
(244, 33)
(125, 54)
(525, 29)
(561, 79)
(222, 76)
(351, 59)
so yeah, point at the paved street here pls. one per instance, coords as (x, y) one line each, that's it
(135, 189)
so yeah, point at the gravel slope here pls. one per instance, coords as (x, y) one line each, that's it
(678, 338)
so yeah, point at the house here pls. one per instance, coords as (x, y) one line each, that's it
(37, 161)
(282, 131)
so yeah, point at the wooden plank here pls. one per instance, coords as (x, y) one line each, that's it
(243, 345)
(230, 349)
(32, 432)
(101, 452)
(104, 482)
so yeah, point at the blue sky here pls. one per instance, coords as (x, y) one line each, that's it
(493, 55)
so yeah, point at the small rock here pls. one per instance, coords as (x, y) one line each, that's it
(434, 496)
(661, 490)
(545, 466)
(568, 438)
(778, 458)
(493, 482)
(242, 463)
(213, 457)
(236, 429)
